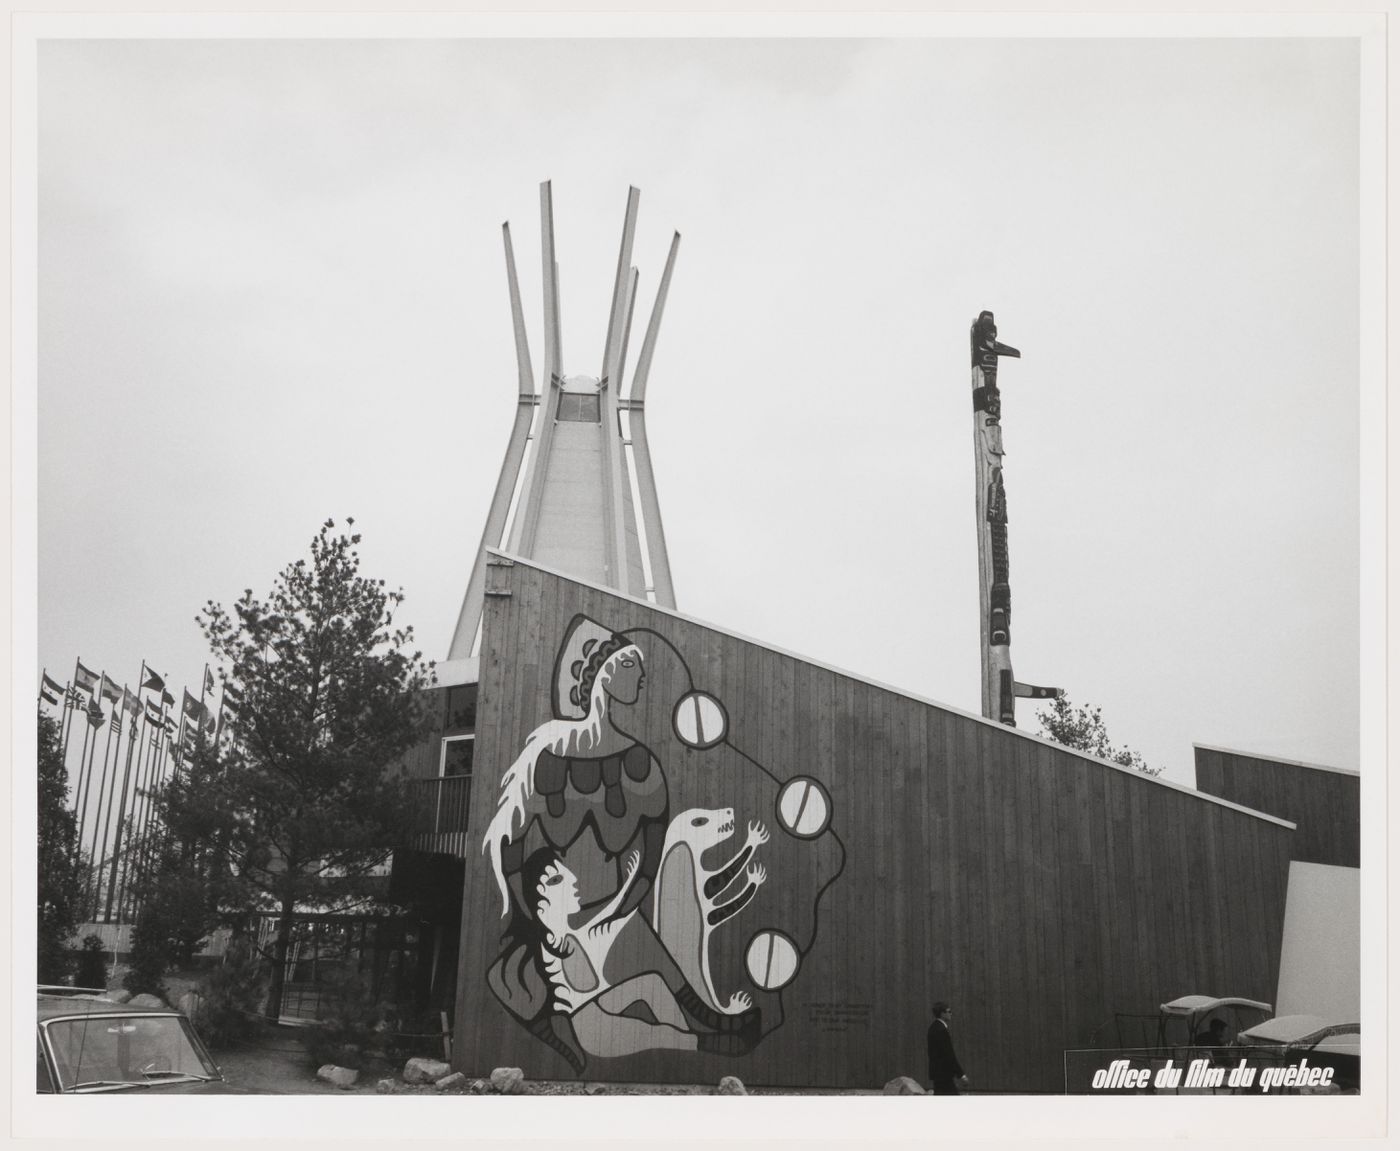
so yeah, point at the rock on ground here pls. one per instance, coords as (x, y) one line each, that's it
(454, 1082)
(730, 1085)
(418, 1070)
(342, 1077)
(595, 1089)
(386, 1087)
(508, 1081)
(149, 1002)
(903, 1085)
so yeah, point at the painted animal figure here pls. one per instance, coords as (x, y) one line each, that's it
(686, 908)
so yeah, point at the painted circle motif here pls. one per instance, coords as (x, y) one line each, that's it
(771, 960)
(700, 720)
(804, 807)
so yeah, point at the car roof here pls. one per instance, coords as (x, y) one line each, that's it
(1200, 1004)
(52, 1006)
(1300, 1029)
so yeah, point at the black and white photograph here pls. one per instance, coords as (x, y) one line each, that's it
(516, 523)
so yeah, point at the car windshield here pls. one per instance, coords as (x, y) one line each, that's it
(124, 1051)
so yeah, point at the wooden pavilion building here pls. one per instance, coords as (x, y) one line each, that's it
(652, 849)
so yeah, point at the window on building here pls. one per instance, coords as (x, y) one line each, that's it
(457, 755)
(461, 706)
(454, 788)
(579, 408)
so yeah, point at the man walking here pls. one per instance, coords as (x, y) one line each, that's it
(945, 1073)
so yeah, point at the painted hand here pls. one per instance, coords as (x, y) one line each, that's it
(757, 874)
(758, 834)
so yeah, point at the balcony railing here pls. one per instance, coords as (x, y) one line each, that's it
(440, 814)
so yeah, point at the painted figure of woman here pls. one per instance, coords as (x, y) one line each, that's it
(594, 798)
(575, 958)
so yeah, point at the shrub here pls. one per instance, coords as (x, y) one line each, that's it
(92, 963)
(354, 1022)
(231, 996)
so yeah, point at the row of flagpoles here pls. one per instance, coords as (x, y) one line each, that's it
(123, 817)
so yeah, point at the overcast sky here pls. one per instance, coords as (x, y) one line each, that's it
(272, 291)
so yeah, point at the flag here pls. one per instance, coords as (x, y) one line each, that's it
(170, 724)
(153, 681)
(208, 722)
(46, 696)
(131, 703)
(56, 688)
(96, 716)
(231, 692)
(208, 679)
(84, 678)
(116, 722)
(72, 699)
(110, 691)
(191, 705)
(152, 713)
(166, 697)
(230, 706)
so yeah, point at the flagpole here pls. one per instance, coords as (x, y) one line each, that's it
(131, 740)
(135, 869)
(82, 796)
(117, 844)
(154, 761)
(204, 686)
(147, 786)
(111, 795)
(67, 719)
(129, 701)
(70, 697)
(97, 814)
(151, 768)
(77, 663)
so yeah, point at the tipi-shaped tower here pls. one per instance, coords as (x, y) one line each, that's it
(575, 508)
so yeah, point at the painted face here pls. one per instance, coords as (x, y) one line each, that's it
(558, 892)
(623, 676)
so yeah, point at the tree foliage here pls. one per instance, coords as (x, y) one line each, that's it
(62, 870)
(1083, 729)
(92, 963)
(303, 798)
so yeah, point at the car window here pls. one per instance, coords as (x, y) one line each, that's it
(42, 1078)
(124, 1049)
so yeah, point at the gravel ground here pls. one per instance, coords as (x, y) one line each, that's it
(276, 1063)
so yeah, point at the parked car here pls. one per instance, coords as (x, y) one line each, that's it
(1289, 1039)
(89, 1044)
(1186, 1022)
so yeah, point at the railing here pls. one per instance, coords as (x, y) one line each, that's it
(440, 816)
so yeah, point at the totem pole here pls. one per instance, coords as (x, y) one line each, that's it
(999, 686)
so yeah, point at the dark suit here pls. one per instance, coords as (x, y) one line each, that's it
(943, 1065)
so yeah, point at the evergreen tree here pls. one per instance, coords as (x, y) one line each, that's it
(1083, 729)
(307, 796)
(62, 870)
(185, 891)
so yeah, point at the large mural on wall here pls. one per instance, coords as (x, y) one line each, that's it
(659, 887)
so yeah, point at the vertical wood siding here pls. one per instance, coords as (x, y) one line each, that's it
(1038, 890)
(1326, 805)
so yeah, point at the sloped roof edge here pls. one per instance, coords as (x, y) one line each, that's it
(1276, 759)
(496, 553)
